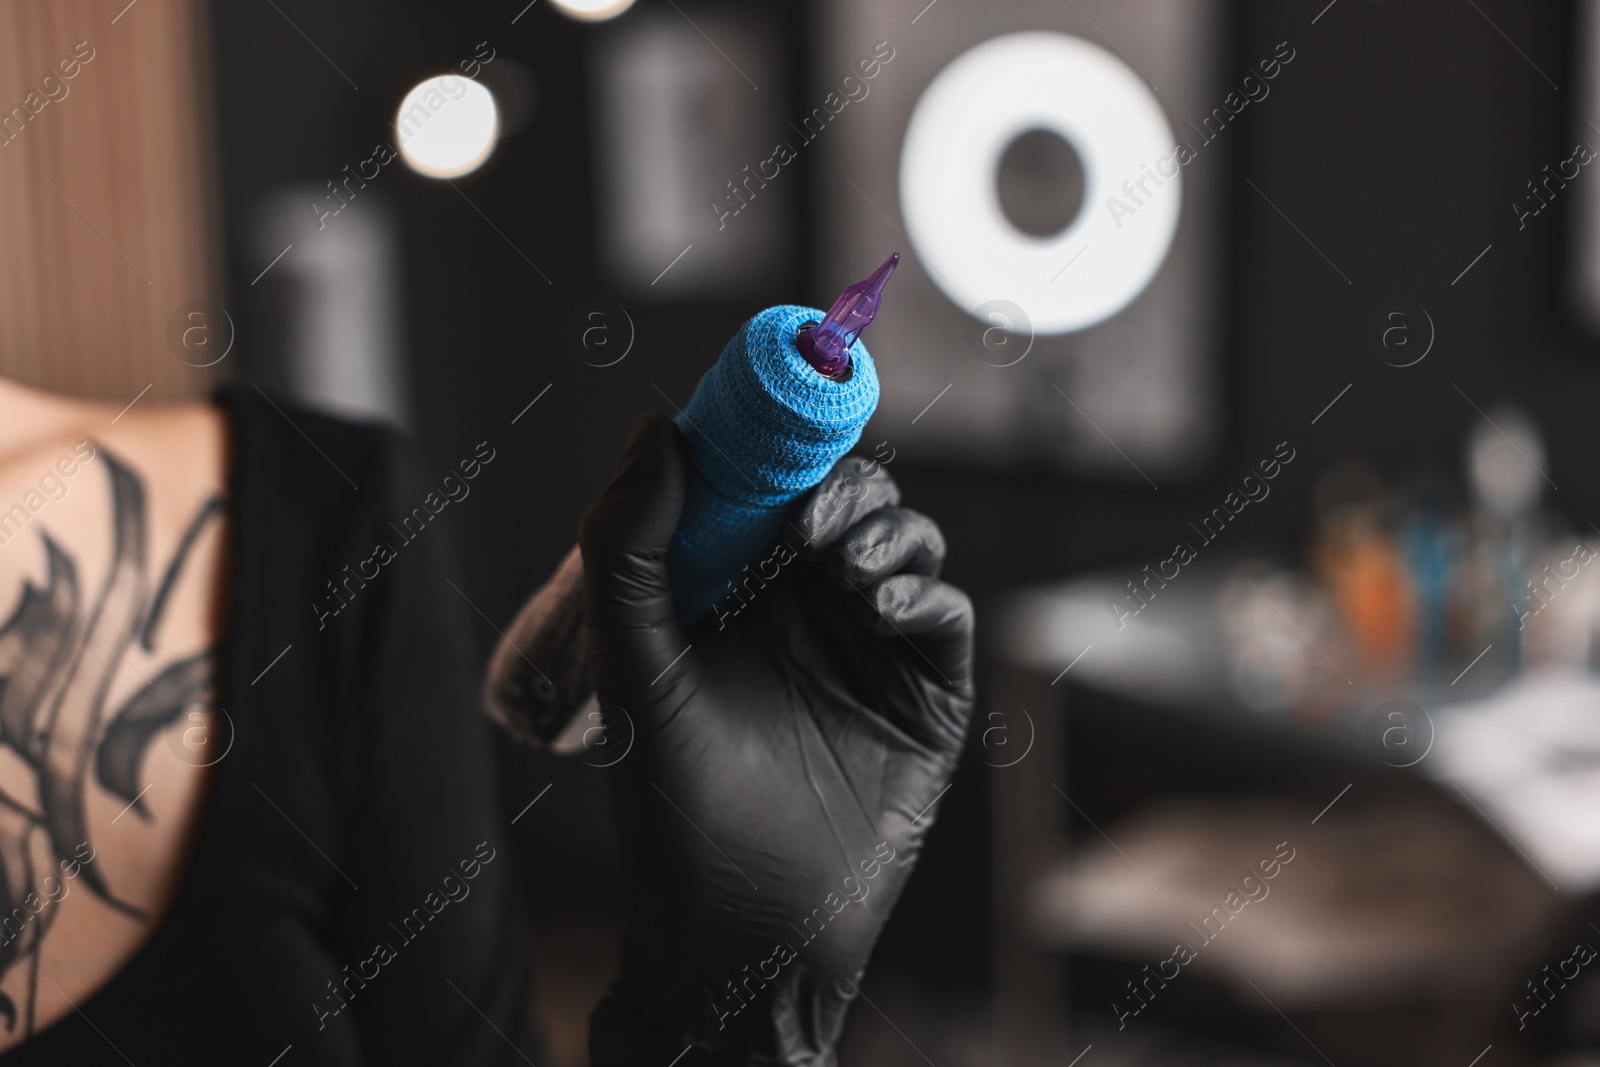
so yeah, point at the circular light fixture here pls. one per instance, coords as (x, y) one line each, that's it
(592, 10)
(959, 131)
(448, 126)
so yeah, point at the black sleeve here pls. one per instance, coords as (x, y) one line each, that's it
(437, 913)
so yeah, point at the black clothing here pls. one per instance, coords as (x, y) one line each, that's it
(357, 795)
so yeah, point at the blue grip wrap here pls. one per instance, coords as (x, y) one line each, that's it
(763, 428)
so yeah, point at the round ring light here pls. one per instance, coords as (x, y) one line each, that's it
(963, 122)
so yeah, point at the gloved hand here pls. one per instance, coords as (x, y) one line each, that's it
(788, 756)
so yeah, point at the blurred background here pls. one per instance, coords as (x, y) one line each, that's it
(1246, 352)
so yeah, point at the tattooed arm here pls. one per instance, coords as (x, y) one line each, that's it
(115, 578)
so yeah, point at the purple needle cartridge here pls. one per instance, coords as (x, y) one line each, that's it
(827, 345)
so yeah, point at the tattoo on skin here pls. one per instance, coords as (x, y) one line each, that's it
(58, 659)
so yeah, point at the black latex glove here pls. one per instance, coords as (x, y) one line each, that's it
(787, 758)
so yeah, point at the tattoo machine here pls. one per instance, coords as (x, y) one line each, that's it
(787, 399)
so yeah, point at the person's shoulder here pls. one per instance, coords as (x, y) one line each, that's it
(113, 586)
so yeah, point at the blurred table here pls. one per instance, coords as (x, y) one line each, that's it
(1174, 700)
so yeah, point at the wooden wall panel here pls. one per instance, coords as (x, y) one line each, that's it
(107, 193)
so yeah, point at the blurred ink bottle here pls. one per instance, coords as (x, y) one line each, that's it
(1358, 560)
(1428, 525)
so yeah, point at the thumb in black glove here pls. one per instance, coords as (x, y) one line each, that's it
(789, 750)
